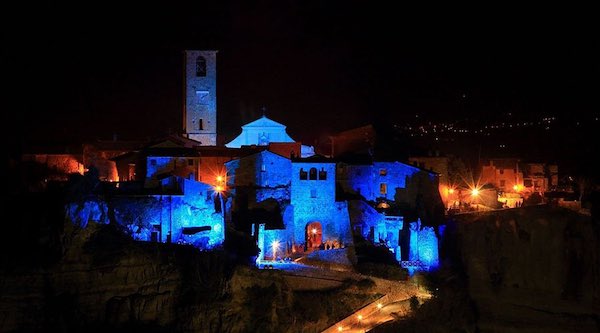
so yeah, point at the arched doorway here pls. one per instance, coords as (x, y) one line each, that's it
(314, 235)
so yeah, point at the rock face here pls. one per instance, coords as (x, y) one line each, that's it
(100, 279)
(104, 281)
(534, 269)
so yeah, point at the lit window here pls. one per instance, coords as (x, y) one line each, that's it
(383, 172)
(263, 168)
(200, 66)
(383, 188)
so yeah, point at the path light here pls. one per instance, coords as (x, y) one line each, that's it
(340, 328)
(379, 305)
(314, 231)
(359, 317)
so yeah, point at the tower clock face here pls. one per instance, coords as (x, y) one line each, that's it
(202, 96)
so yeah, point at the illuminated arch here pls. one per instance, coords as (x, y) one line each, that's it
(314, 235)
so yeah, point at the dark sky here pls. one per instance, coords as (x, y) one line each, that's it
(317, 66)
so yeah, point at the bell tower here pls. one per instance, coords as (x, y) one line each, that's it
(200, 97)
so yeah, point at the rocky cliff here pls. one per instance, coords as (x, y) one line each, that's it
(530, 269)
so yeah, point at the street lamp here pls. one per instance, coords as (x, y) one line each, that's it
(219, 193)
(275, 246)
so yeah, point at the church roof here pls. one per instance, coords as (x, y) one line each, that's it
(263, 122)
(271, 130)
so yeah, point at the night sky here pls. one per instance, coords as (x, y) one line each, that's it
(317, 67)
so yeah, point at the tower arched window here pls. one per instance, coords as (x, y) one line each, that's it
(303, 174)
(322, 174)
(312, 174)
(200, 66)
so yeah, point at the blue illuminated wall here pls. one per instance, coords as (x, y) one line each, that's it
(376, 227)
(423, 246)
(313, 200)
(266, 172)
(182, 166)
(160, 217)
(367, 179)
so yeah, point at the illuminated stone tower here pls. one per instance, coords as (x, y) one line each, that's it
(200, 97)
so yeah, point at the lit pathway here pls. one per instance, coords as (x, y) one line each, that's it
(395, 304)
(370, 318)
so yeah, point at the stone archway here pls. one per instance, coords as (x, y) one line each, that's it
(314, 235)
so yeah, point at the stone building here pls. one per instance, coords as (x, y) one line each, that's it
(200, 104)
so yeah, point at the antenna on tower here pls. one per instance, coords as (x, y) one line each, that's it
(264, 110)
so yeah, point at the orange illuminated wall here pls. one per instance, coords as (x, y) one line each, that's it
(62, 164)
(503, 174)
(286, 149)
(212, 167)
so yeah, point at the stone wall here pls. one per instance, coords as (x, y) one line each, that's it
(171, 217)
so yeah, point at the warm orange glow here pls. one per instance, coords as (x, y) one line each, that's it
(340, 328)
(451, 191)
(518, 187)
(314, 231)
(219, 188)
(360, 317)
(379, 305)
(474, 192)
(219, 178)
